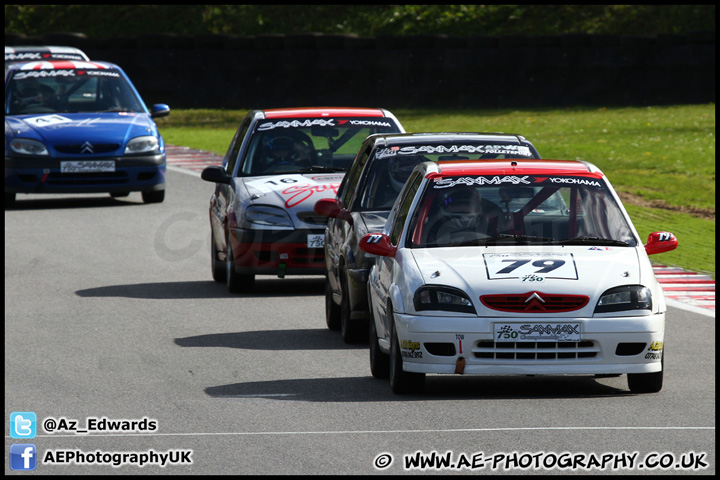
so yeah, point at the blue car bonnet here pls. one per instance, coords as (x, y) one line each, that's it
(55, 130)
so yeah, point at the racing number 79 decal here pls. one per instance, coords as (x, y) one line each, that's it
(545, 266)
(530, 266)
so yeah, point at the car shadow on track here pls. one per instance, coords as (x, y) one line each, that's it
(273, 340)
(73, 202)
(369, 389)
(271, 287)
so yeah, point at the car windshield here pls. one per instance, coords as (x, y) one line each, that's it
(69, 91)
(483, 210)
(297, 145)
(391, 166)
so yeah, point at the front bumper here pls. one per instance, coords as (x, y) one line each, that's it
(277, 252)
(43, 175)
(616, 345)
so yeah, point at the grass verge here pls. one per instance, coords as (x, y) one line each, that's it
(661, 160)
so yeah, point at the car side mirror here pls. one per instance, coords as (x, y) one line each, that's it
(159, 110)
(660, 242)
(215, 174)
(330, 207)
(377, 244)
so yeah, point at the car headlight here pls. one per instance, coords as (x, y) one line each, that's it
(627, 297)
(430, 297)
(267, 216)
(142, 145)
(24, 146)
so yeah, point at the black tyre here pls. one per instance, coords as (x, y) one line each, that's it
(647, 382)
(153, 196)
(379, 361)
(236, 283)
(219, 272)
(332, 311)
(353, 331)
(400, 380)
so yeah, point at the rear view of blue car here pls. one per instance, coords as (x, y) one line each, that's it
(80, 127)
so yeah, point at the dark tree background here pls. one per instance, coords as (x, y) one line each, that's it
(106, 21)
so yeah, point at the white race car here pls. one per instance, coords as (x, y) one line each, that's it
(528, 267)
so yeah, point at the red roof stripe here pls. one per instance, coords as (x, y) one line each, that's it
(62, 65)
(515, 167)
(323, 112)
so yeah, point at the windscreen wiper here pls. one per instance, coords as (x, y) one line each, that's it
(525, 239)
(502, 238)
(321, 169)
(588, 240)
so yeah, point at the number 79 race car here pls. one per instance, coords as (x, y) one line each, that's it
(527, 267)
(280, 162)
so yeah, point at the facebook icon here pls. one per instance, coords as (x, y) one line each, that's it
(23, 456)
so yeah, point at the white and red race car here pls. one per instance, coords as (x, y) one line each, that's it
(280, 162)
(528, 267)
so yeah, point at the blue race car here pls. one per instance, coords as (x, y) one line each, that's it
(80, 127)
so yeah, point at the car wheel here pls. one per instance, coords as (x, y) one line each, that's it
(236, 283)
(153, 196)
(352, 330)
(400, 380)
(219, 272)
(379, 361)
(9, 200)
(647, 382)
(332, 311)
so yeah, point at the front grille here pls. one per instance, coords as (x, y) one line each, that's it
(298, 255)
(83, 149)
(312, 218)
(629, 349)
(487, 349)
(440, 349)
(87, 178)
(535, 302)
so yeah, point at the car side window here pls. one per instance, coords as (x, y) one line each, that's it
(347, 189)
(234, 151)
(408, 195)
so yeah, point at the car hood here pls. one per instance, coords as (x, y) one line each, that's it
(295, 193)
(65, 129)
(570, 270)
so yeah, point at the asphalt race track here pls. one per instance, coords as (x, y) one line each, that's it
(114, 327)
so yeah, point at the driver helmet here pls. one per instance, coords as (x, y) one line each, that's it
(29, 93)
(279, 148)
(400, 167)
(460, 206)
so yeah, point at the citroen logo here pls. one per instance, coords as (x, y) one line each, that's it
(87, 147)
(534, 302)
